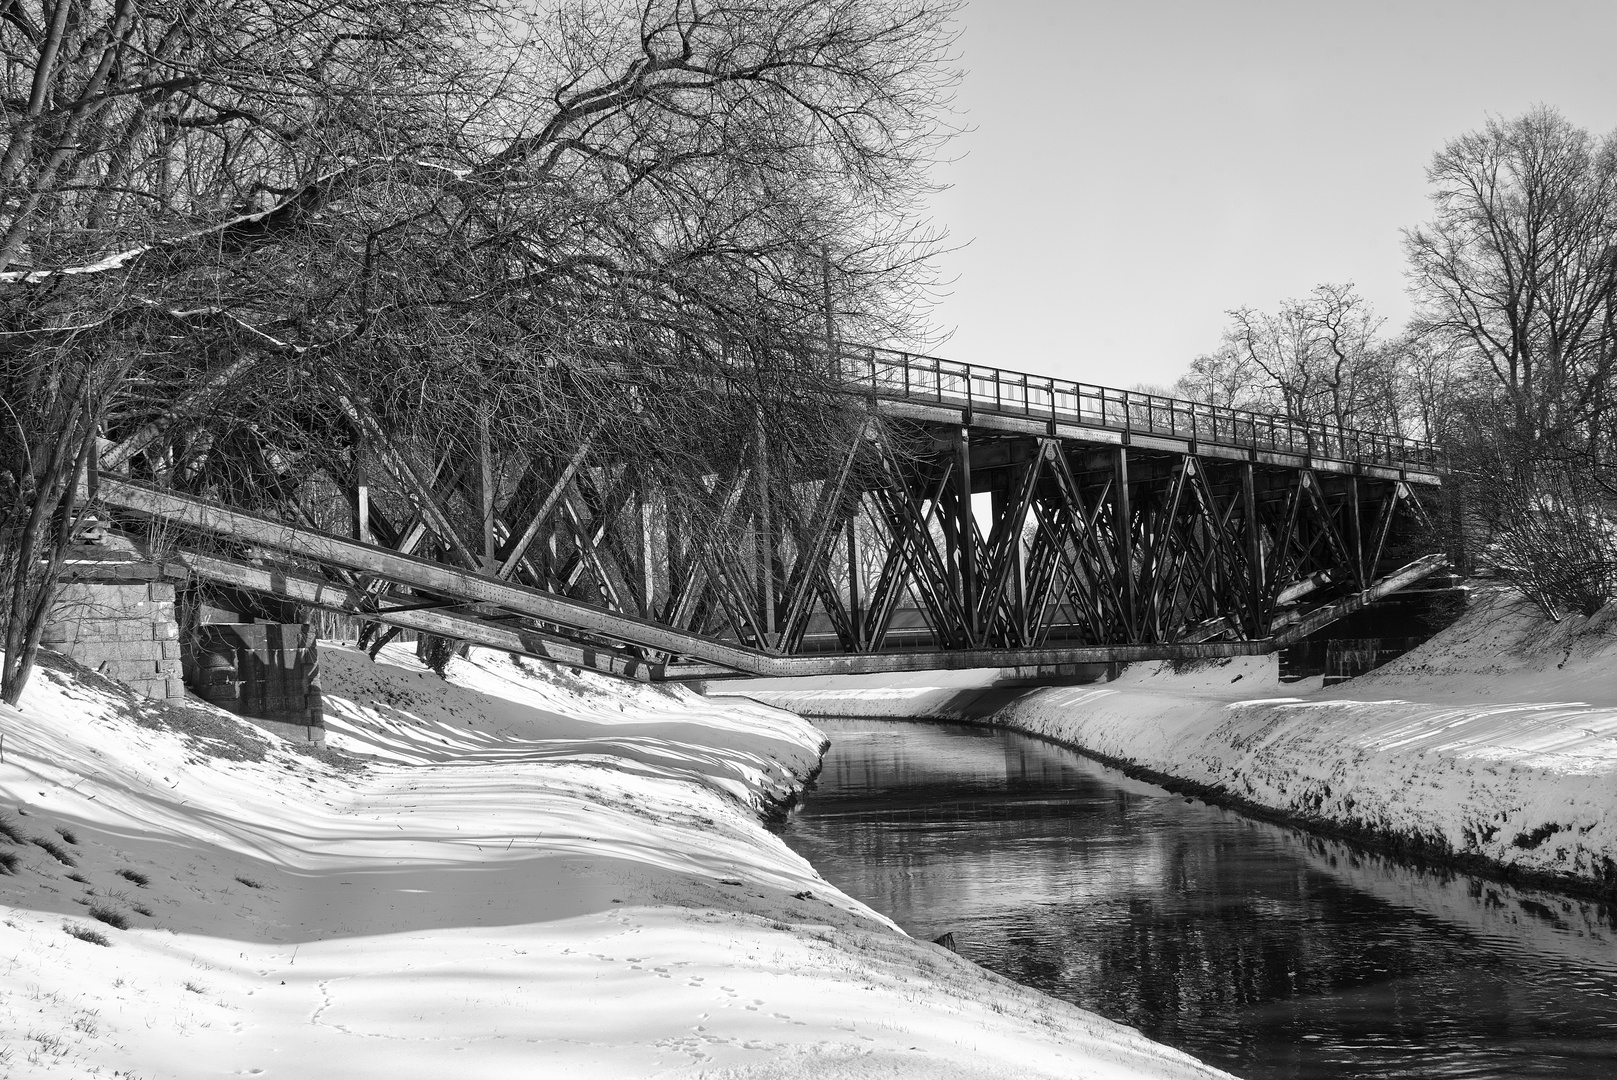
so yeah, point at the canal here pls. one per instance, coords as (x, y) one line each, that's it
(1259, 949)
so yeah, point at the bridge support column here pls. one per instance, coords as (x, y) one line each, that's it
(485, 492)
(362, 497)
(1019, 570)
(116, 615)
(1256, 576)
(766, 535)
(1123, 530)
(856, 617)
(1355, 537)
(968, 536)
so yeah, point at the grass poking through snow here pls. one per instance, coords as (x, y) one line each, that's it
(55, 850)
(84, 933)
(249, 882)
(109, 915)
(68, 835)
(134, 875)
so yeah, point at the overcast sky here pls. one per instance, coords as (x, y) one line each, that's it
(1137, 167)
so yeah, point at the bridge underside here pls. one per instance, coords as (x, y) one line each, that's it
(931, 538)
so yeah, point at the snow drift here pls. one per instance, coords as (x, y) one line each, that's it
(515, 872)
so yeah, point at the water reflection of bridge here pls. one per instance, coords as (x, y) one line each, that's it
(983, 518)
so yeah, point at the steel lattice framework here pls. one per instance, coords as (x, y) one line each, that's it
(977, 517)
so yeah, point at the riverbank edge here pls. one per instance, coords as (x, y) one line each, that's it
(1415, 850)
(773, 810)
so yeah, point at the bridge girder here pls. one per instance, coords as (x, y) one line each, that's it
(974, 517)
(925, 546)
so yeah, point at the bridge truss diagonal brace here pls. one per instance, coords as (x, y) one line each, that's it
(830, 514)
(1281, 560)
(421, 573)
(1243, 579)
(682, 606)
(1085, 523)
(1003, 563)
(912, 560)
(469, 590)
(1322, 617)
(518, 548)
(418, 489)
(1333, 535)
(1057, 574)
(338, 597)
(1158, 552)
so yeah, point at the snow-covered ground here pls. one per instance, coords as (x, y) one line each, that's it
(534, 873)
(1495, 742)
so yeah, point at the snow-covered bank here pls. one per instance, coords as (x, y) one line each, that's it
(1493, 745)
(533, 873)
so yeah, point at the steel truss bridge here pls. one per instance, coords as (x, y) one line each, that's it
(1025, 521)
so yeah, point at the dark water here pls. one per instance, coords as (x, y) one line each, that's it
(1256, 948)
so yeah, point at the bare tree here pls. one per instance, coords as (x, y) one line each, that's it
(1519, 264)
(503, 222)
(1225, 378)
(142, 144)
(1427, 381)
(1319, 359)
(1517, 279)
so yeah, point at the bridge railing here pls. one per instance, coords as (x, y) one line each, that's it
(901, 376)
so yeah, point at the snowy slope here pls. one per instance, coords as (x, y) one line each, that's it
(1495, 741)
(533, 874)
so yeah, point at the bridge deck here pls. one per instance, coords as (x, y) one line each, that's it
(1104, 414)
